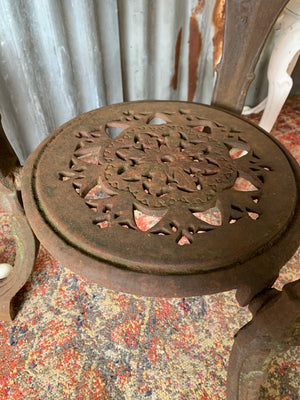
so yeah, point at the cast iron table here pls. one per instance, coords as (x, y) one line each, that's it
(220, 194)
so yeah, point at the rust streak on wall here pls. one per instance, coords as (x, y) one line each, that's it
(174, 81)
(195, 46)
(218, 20)
(199, 7)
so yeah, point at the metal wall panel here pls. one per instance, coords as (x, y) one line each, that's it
(59, 58)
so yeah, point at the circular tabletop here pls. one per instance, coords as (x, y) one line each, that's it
(156, 197)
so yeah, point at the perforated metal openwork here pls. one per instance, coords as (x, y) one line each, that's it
(163, 187)
(161, 160)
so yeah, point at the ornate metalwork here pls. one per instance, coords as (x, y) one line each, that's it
(26, 246)
(241, 50)
(275, 327)
(211, 186)
(158, 166)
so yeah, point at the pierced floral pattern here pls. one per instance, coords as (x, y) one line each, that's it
(170, 166)
(160, 165)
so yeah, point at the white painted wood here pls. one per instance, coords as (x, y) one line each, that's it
(282, 62)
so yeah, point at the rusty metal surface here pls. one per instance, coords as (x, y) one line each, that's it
(248, 24)
(9, 162)
(25, 242)
(173, 162)
(26, 248)
(273, 329)
(73, 59)
(174, 80)
(195, 47)
(218, 21)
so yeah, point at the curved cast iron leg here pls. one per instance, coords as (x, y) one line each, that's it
(26, 244)
(275, 327)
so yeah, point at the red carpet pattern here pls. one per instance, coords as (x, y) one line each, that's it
(73, 339)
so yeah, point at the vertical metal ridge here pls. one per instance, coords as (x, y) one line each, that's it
(60, 58)
(51, 61)
(18, 82)
(133, 26)
(206, 66)
(85, 53)
(181, 18)
(11, 123)
(161, 34)
(109, 38)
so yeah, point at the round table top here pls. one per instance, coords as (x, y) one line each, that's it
(150, 190)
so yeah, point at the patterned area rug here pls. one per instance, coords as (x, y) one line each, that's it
(73, 339)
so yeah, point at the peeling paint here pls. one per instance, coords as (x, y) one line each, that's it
(199, 7)
(218, 20)
(195, 46)
(174, 81)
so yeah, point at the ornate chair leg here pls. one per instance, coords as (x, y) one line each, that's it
(26, 244)
(26, 249)
(275, 327)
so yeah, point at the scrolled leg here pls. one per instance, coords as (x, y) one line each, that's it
(26, 244)
(274, 328)
(26, 249)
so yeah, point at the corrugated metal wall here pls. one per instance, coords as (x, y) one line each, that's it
(60, 58)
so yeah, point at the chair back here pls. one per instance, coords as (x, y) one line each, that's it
(247, 26)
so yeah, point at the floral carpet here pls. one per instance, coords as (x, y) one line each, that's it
(73, 339)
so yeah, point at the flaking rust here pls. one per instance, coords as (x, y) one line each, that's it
(195, 47)
(174, 81)
(199, 7)
(218, 21)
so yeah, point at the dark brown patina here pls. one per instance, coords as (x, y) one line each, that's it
(174, 81)
(221, 196)
(173, 162)
(195, 47)
(25, 243)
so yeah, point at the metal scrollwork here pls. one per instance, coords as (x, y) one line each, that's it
(160, 161)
